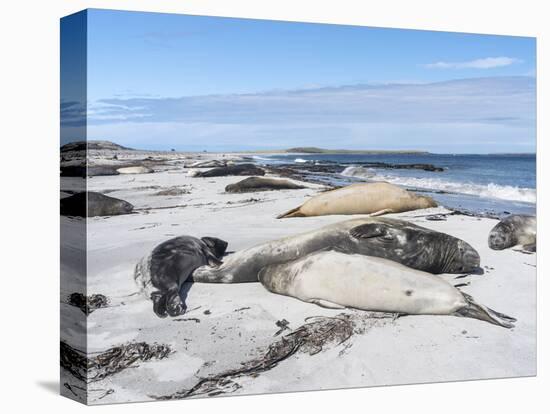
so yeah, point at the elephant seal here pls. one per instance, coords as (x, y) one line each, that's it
(515, 230)
(97, 203)
(237, 169)
(162, 273)
(397, 240)
(252, 184)
(137, 169)
(369, 198)
(338, 280)
(90, 171)
(210, 164)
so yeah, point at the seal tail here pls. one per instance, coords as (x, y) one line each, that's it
(295, 212)
(476, 311)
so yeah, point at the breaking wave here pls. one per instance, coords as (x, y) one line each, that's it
(257, 157)
(359, 172)
(491, 190)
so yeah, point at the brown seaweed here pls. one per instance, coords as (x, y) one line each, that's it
(312, 337)
(88, 304)
(109, 362)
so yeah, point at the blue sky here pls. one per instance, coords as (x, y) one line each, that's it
(192, 83)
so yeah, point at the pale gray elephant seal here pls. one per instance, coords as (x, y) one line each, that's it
(209, 164)
(135, 169)
(162, 273)
(337, 280)
(393, 239)
(370, 198)
(514, 230)
(97, 205)
(252, 184)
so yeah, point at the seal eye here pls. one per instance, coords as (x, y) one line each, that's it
(408, 292)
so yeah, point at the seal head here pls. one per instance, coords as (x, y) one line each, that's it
(418, 247)
(516, 229)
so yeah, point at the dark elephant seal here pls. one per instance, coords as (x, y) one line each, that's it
(98, 205)
(397, 240)
(337, 280)
(91, 171)
(161, 274)
(252, 184)
(238, 169)
(515, 230)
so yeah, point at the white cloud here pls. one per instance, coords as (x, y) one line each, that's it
(461, 115)
(485, 63)
(498, 99)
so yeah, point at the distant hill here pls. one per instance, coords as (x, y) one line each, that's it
(92, 145)
(315, 150)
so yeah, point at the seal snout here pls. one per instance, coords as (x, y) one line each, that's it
(497, 240)
(466, 259)
(470, 256)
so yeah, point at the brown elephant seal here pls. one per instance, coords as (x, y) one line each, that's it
(338, 280)
(514, 230)
(91, 204)
(397, 240)
(161, 274)
(369, 198)
(252, 184)
(237, 169)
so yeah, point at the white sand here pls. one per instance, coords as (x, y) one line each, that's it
(242, 318)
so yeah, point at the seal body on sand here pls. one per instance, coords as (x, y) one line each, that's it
(238, 169)
(210, 164)
(337, 280)
(161, 274)
(369, 198)
(138, 169)
(515, 230)
(97, 203)
(397, 240)
(252, 184)
(90, 171)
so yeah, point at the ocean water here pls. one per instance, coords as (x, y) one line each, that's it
(483, 183)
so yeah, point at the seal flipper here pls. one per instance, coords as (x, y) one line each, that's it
(531, 247)
(215, 251)
(217, 246)
(295, 212)
(477, 311)
(326, 304)
(370, 230)
(159, 304)
(381, 212)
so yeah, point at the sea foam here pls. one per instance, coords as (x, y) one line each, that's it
(491, 190)
(359, 172)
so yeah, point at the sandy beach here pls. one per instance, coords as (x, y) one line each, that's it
(230, 326)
